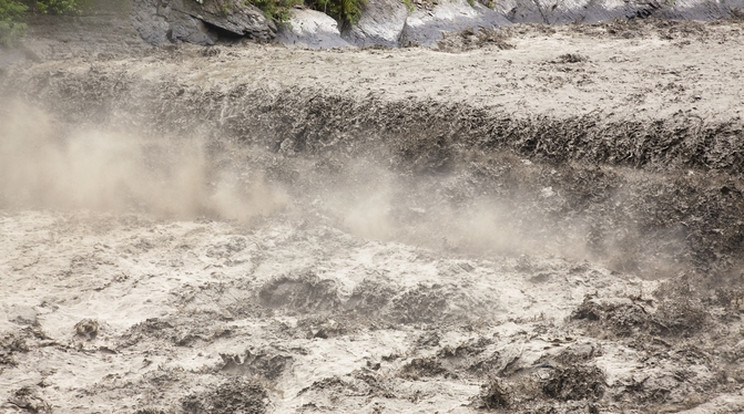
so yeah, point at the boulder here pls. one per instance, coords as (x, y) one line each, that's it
(151, 26)
(389, 23)
(568, 11)
(588, 11)
(704, 10)
(235, 16)
(184, 28)
(593, 11)
(311, 28)
(425, 27)
(381, 24)
(162, 21)
(519, 11)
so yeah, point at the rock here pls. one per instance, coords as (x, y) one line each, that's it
(584, 11)
(162, 21)
(311, 28)
(87, 329)
(593, 11)
(388, 22)
(704, 10)
(150, 25)
(381, 24)
(185, 28)
(519, 11)
(425, 27)
(235, 16)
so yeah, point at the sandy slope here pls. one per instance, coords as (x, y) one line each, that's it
(145, 273)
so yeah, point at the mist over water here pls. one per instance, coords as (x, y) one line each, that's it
(49, 165)
(46, 164)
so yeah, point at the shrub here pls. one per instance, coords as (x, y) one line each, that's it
(345, 11)
(12, 12)
(10, 26)
(277, 10)
(57, 6)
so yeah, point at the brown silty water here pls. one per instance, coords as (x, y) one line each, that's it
(257, 229)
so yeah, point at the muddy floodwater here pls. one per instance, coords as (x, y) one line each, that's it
(531, 220)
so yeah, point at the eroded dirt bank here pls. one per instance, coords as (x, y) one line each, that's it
(539, 219)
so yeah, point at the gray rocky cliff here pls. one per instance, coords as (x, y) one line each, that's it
(391, 23)
(311, 28)
(381, 24)
(163, 21)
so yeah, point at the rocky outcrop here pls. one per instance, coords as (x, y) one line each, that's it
(235, 16)
(163, 21)
(311, 28)
(593, 11)
(390, 23)
(705, 10)
(381, 24)
(425, 27)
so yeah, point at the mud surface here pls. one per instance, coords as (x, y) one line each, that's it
(532, 219)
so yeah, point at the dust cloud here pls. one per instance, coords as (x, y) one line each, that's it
(49, 165)
(378, 203)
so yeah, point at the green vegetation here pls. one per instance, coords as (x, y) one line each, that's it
(57, 6)
(226, 8)
(10, 26)
(13, 11)
(409, 5)
(345, 11)
(277, 10)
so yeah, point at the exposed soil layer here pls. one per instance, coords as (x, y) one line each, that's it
(538, 220)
